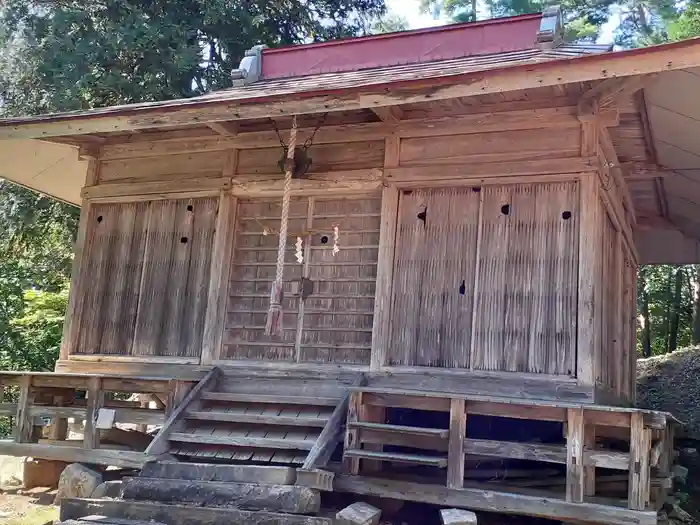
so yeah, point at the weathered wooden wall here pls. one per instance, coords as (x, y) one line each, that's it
(494, 277)
(145, 276)
(486, 278)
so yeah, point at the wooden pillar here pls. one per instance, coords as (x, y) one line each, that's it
(95, 401)
(78, 284)
(385, 261)
(352, 435)
(575, 471)
(639, 471)
(455, 447)
(222, 254)
(589, 273)
(58, 430)
(23, 423)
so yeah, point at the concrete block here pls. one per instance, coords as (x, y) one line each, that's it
(359, 514)
(457, 517)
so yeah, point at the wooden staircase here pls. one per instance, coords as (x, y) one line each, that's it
(259, 420)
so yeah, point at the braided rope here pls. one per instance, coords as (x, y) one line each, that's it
(274, 314)
(285, 201)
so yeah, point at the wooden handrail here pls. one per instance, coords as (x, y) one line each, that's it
(159, 444)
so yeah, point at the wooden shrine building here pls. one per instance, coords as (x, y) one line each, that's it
(466, 208)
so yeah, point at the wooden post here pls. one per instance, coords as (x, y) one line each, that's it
(589, 254)
(639, 471)
(95, 401)
(352, 435)
(222, 253)
(589, 470)
(455, 448)
(385, 277)
(23, 423)
(71, 326)
(574, 455)
(58, 430)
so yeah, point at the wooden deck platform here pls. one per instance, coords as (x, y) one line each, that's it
(612, 464)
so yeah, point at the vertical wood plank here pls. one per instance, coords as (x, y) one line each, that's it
(639, 471)
(352, 435)
(455, 447)
(619, 317)
(589, 474)
(222, 259)
(574, 455)
(477, 283)
(588, 286)
(71, 327)
(23, 421)
(381, 328)
(304, 274)
(95, 401)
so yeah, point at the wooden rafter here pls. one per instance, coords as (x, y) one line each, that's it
(389, 114)
(226, 129)
(609, 91)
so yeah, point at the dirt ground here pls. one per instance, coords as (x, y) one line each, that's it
(32, 507)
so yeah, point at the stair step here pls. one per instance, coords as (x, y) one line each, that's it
(415, 459)
(243, 441)
(248, 496)
(179, 514)
(257, 419)
(270, 399)
(224, 473)
(400, 429)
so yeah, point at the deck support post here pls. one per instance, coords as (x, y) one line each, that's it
(23, 429)
(589, 470)
(574, 455)
(455, 447)
(639, 472)
(95, 401)
(352, 434)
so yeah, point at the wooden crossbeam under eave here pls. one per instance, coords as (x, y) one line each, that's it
(389, 114)
(225, 129)
(611, 90)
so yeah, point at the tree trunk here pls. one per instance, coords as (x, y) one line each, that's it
(676, 310)
(696, 306)
(644, 307)
(474, 10)
(668, 300)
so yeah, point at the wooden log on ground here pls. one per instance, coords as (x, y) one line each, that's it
(250, 496)
(267, 474)
(180, 515)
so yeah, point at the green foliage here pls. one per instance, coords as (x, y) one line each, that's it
(687, 25)
(78, 54)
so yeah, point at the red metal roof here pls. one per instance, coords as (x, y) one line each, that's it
(500, 35)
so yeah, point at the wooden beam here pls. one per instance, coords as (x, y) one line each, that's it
(608, 149)
(354, 181)
(121, 191)
(159, 445)
(486, 498)
(389, 114)
(611, 90)
(226, 129)
(68, 454)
